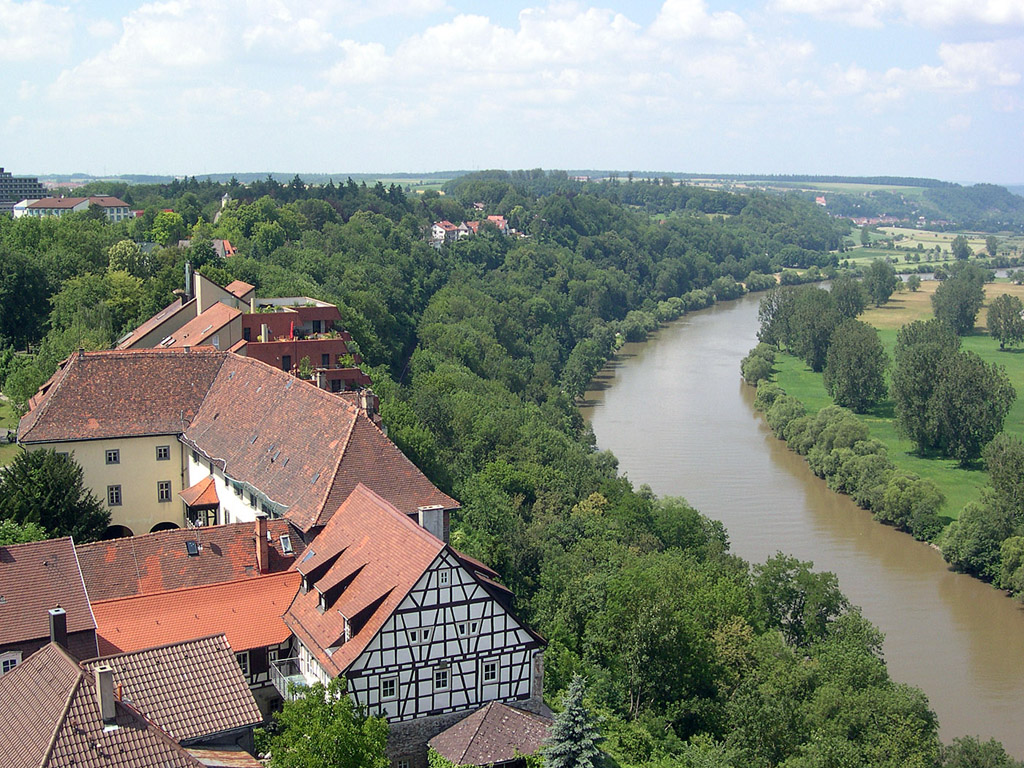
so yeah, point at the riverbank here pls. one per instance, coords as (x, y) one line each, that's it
(676, 414)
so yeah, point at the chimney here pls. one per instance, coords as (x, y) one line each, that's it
(59, 626)
(368, 402)
(252, 303)
(264, 332)
(262, 550)
(189, 289)
(432, 519)
(105, 692)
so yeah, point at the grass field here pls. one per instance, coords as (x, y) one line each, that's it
(958, 485)
(8, 420)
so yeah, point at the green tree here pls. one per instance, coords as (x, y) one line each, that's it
(973, 541)
(1004, 461)
(811, 324)
(968, 406)
(795, 600)
(773, 314)
(991, 245)
(880, 281)
(961, 248)
(921, 351)
(322, 728)
(1006, 320)
(126, 256)
(575, 735)
(168, 228)
(47, 489)
(855, 366)
(865, 236)
(23, 298)
(957, 300)
(12, 532)
(914, 283)
(849, 296)
(972, 752)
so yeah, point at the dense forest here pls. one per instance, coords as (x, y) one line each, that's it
(478, 350)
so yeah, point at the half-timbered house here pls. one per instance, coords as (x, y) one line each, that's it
(423, 634)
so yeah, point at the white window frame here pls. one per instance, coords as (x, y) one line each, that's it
(389, 682)
(442, 678)
(163, 453)
(112, 456)
(8, 661)
(114, 496)
(163, 490)
(419, 636)
(468, 628)
(493, 665)
(444, 577)
(243, 662)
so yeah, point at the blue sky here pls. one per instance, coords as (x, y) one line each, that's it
(857, 87)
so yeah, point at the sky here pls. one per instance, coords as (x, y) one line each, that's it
(928, 88)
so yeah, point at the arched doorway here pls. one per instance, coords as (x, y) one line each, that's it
(117, 532)
(163, 527)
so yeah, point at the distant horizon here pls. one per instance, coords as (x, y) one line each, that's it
(596, 173)
(835, 87)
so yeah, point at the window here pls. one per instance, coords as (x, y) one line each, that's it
(273, 654)
(388, 688)
(286, 362)
(443, 576)
(466, 628)
(403, 762)
(206, 516)
(163, 490)
(195, 456)
(441, 679)
(417, 636)
(113, 495)
(243, 662)
(252, 500)
(325, 361)
(286, 545)
(113, 456)
(490, 672)
(9, 661)
(317, 325)
(247, 334)
(163, 453)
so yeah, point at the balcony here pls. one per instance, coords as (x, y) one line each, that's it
(288, 678)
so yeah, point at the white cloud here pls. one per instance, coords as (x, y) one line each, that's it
(690, 18)
(927, 13)
(965, 67)
(33, 30)
(959, 123)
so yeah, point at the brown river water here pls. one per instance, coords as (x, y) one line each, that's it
(679, 418)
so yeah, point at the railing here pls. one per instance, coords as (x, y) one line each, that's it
(287, 678)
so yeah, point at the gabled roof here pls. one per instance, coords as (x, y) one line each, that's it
(248, 612)
(160, 562)
(238, 288)
(50, 717)
(304, 448)
(191, 689)
(494, 734)
(197, 330)
(202, 494)
(373, 554)
(34, 578)
(122, 394)
(156, 321)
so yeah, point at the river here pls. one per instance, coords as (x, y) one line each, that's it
(679, 418)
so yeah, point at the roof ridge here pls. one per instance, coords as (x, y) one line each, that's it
(337, 470)
(162, 593)
(485, 710)
(122, 654)
(59, 725)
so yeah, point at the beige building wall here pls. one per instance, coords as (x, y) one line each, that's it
(137, 474)
(209, 293)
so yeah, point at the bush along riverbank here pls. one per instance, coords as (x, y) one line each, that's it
(839, 448)
(948, 401)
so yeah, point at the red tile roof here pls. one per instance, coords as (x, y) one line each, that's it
(122, 394)
(190, 689)
(34, 578)
(237, 288)
(494, 734)
(155, 321)
(197, 330)
(202, 494)
(248, 612)
(380, 554)
(159, 562)
(50, 718)
(301, 446)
